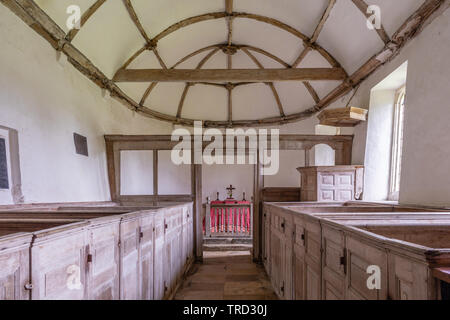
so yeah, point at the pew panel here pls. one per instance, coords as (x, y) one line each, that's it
(14, 270)
(129, 258)
(104, 266)
(146, 242)
(59, 261)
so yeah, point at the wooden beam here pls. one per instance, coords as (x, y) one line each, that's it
(135, 19)
(255, 75)
(229, 11)
(84, 18)
(316, 34)
(230, 104)
(362, 6)
(229, 6)
(311, 90)
(322, 21)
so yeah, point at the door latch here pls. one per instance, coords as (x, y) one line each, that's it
(29, 286)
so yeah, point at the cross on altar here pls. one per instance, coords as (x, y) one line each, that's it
(230, 191)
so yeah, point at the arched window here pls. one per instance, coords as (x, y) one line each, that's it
(397, 144)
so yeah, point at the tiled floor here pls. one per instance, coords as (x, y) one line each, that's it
(229, 275)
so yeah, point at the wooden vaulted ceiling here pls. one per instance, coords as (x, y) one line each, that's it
(337, 46)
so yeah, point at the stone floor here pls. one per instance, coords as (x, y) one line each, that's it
(227, 275)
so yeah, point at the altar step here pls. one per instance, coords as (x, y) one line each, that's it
(227, 247)
(227, 244)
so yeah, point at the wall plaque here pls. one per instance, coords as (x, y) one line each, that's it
(81, 146)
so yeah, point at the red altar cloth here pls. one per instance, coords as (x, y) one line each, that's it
(234, 219)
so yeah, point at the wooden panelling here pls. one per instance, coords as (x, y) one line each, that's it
(326, 184)
(280, 194)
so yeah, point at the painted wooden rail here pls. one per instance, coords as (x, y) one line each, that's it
(108, 254)
(228, 219)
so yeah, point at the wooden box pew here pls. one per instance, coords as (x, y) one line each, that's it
(407, 252)
(138, 255)
(295, 234)
(15, 266)
(322, 253)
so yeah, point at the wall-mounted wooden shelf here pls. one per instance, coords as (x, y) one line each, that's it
(343, 117)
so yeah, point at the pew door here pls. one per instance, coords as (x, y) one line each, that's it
(158, 258)
(146, 242)
(334, 262)
(103, 267)
(172, 249)
(15, 271)
(129, 258)
(298, 267)
(361, 255)
(281, 254)
(58, 263)
(313, 260)
(409, 278)
(188, 235)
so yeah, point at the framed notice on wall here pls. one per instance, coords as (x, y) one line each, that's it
(4, 183)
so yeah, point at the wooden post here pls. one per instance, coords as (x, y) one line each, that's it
(256, 227)
(198, 205)
(251, 220)
(111, 169)
(208, 220)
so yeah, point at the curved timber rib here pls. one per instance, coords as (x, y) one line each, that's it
(40, 22)
(188, 85)
(363, 6)
(219, 15)
(84, 18)
(270, 84)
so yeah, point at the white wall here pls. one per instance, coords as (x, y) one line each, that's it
(425, 177)
(215, 178)
(287, 176)
(46, 102)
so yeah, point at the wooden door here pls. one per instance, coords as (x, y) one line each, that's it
(15, 270)
(146, 256)
(129, 258)
(334, 262)
(172, 249)
(361, 255)
(103, 267)
(281, 255)
(158, 257)
(313, 260)
(298, 268)
(58, 263)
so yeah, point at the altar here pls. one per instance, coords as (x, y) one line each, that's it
(229, 217)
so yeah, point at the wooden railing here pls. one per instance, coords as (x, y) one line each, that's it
(228, 220)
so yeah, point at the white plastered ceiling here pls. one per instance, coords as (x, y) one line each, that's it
(110, 37)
